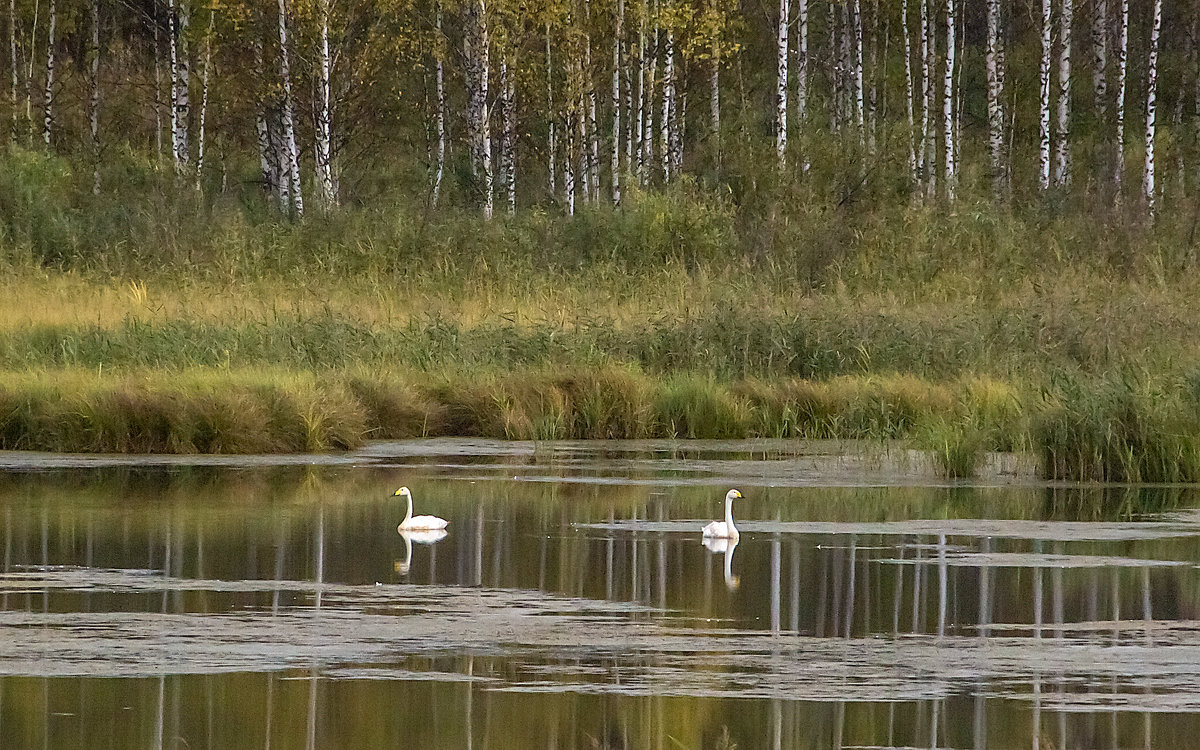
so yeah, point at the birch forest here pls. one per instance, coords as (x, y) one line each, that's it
(499, 106)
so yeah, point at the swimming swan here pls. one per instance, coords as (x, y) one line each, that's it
(417, 523)
(725, 529)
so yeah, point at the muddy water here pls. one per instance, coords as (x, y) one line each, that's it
(268, 604)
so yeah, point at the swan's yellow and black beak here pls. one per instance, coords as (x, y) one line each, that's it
(737, 495)
(400, 492)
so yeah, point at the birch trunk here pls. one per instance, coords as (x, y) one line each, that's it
(618, 31)
(781, 87)
(1148, 192)
(552, 116)
(668, 104)
(29, 62)
(802, 76)
(158, 101)
(651, 76)
(924, 166)
(593, 131)
(50, 49)
(261, 127)
(94, 99)
(439, 118)
(324, 135)
(291, 153)
(859, 88)
(950, 168)
(1122, 83)
(995, 99)
(484, 125)
(183, 103)
(714, 88)
(627, 118)
(570, 127)
(204, 73)
(909, 92)
(12, 45)
(1044, 121)
(1062, 150)
(834, 69)
(1100, 56)
(642, 131)
(508, 137)
(173, 56)
(873, 92)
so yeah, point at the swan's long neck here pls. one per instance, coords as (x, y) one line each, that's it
(729, 514)
(408, 515)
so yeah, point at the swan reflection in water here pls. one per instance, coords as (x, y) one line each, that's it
(726, 545)
(428, 536)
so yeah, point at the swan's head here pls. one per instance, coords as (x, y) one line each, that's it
(403, 492)
(733, 495)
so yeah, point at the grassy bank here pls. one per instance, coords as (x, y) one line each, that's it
(1108, 430)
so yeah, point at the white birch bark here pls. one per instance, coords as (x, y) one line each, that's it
(204, 77)
(593, 132)
(909, 92)
(873, 91)
(51, 47)
(1062, 147)
(183, 102)
(551, 116)
(802, 76)
(641, 137)
(781, 86)
(995, 83)
(439, 118)
(1148, 192)
(651, 79)
(288, 116)
(94, 99)
(949, 167)
(1044, 121)
(618, 31)
(29, 63)
(508, 137)
(326, 198)
(1100, 56)
(483, 40)
(924, 163)
(714, 86)
(261, 128)
(173, 58)
(569, 150)
(627, 117)
(668, 103)
(856, 26)
(12, 45)
(1122, 84)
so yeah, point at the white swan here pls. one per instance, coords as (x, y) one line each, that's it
(424, 536)
(719, 545)
(417, 523)
(725, 529)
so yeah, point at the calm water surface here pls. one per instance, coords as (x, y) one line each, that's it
(238, 604)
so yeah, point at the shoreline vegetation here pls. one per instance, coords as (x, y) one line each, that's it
(960, 332)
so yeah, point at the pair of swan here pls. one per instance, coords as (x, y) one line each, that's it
(715, 530)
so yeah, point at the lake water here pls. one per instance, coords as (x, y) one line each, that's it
(233, 603)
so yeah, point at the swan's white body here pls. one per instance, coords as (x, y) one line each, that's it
(426, 536)
(418, 523)
(724, 529)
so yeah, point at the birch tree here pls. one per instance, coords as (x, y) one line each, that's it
(995, 99)
(1148, 193)
(859, 89)
(950, 168)
(204, 77)
(618, 35)
(1119, 120)
(94, 97)
(909, 92)
(326, 198)
(781, 86)
(667, 125)
(12, 45)
(551, 116)
(1100, 56)
(1044, 132)
(51, 47)
(1062, 150)
(926, 165)
(288, 117)
(802, 75)
(593, 135)
(439, 116)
